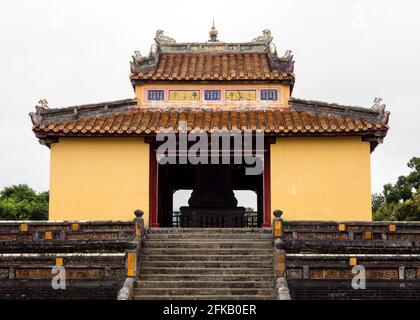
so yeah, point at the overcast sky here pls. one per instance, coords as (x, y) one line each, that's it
(78, 51)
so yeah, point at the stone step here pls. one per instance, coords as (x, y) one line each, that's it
(203, 291)
(205, 284)
(268, 258)
(207, 277)
(202, 236)
(206, 251)
(213, 271)
(210, 264)
(204, 264)
(209, 244)
(210, 230)
(205, 297)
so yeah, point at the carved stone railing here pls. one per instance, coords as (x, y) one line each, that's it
(86, 275)
(339, 266)
(97, 257)
(66, 230)
(351, 230)
(79, 266)
(316, 258)
(350, 237)
(133, 258)
(333, 276)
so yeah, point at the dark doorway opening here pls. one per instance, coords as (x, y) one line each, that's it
(212, 202)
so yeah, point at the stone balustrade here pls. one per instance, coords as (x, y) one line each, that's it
(332, 276)
(96, 256)
(80, 266)
(66, 236)
(349, 231)
(339, 266)
(65, 230)
(350, 237)
(317, 258)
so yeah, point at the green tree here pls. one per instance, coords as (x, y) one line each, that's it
(19, 202)
(401, 201)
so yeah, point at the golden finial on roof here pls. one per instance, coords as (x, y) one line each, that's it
(213, 33)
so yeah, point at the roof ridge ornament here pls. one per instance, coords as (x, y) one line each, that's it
(138, 58)
(266, 37)
(378, 105)
(43, 104)
(36, 116)
(287, 56)
(213, 33)
(160, 37)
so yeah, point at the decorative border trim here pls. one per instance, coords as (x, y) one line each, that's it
(222, 101)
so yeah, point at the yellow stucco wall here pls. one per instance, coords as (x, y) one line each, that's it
(321, 178)
(99, 179)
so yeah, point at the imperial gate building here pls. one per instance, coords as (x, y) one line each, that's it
(316, 155)
(309, 159)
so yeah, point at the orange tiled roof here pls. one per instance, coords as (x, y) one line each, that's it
(124, 118)
(213, 66)
(255, 60)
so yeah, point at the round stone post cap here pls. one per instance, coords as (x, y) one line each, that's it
(138, 213)
(277, 213)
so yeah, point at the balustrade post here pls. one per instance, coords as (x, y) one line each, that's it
(139, 224)
(139, 236)
(279, 257)
(278, 224)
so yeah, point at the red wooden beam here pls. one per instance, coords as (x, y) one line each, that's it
(153, 188)
(267, 187)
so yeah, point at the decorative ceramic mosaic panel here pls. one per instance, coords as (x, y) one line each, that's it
(212, 95)
(4, 273)
(184, 95)
(269, 94)
(7, 237)
(155, 95)
(323, 236)
(37, 273)
(330, 274)
(93, 236)
(386, 274)
(241, 95)
(117, 273)
(294, 273)
(410, 273)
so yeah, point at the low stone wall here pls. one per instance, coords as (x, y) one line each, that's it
(351, 230)
(335, 290)
(339, 266)
(29, 276)
(96, 257)
(351, 237)
(317, 258)
(66, 230)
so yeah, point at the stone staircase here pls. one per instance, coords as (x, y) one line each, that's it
(218, 264)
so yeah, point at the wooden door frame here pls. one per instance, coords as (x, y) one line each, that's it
(154, 188)
(267, 185)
